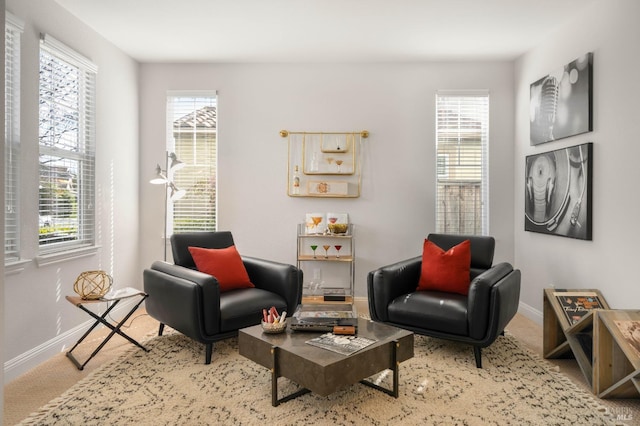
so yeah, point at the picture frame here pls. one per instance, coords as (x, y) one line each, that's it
(338, 217)
(315, 223)
(561, 103)
(558, 192)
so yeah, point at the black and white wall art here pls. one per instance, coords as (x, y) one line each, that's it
(561, 102)
(558, 194)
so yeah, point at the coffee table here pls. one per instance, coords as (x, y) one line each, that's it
(322, 371)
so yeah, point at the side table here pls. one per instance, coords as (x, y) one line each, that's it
(113, 298)
(568, 325)
(616, 354)
(565, 312)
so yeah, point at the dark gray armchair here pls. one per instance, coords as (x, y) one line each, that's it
(191, 302)
(478, 318)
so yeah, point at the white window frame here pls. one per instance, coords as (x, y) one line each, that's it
(13, 32)
(77, 152)
(442, 165)
(197, 209)
(462, 137)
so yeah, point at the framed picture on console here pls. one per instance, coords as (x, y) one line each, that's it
(558, 192)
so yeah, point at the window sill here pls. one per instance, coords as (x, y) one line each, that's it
(15, 266)
(61, 256)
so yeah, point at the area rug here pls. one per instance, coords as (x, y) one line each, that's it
(171, 385)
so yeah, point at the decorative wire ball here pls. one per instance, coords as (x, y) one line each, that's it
(93, 284)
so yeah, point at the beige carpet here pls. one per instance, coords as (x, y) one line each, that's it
(440, 385)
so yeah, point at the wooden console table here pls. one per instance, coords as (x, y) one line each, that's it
(580, 323)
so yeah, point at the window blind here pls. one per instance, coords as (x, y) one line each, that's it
(462, 139)
(13, 31)
(67, 147)
(192, 134)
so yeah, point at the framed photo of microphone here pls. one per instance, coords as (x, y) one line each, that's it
(558, 192)
(561, 102)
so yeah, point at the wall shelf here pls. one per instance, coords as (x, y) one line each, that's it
(324, 164)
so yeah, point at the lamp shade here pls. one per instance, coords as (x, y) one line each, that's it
(175, 163)
(160, 177)
(178, 194)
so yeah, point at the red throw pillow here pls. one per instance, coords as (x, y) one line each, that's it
(446, 271)
(224, 264)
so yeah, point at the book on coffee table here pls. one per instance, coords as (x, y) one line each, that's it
(345, 345)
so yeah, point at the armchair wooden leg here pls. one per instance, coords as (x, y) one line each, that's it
(477, 351)
(208, 352)
(161, 329)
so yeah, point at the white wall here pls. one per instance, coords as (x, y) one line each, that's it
(39, 322)
(610, 31)
(395, 102)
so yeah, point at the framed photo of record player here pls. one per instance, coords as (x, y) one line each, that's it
(558, 192)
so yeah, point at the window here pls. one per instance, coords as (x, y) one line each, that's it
(192, 135)
(462, 135)
(442, 161)
(13, 30)
(67, 148)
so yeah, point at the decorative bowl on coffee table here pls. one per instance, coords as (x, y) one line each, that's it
(274, 327)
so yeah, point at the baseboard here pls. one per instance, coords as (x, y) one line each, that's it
(362, 305)
(24, 362)
(531, 313)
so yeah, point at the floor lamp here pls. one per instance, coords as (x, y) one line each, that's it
(165, 177)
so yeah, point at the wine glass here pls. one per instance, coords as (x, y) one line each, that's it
(326, 250)
(314, 247)
(338, 247)
(339, 163)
